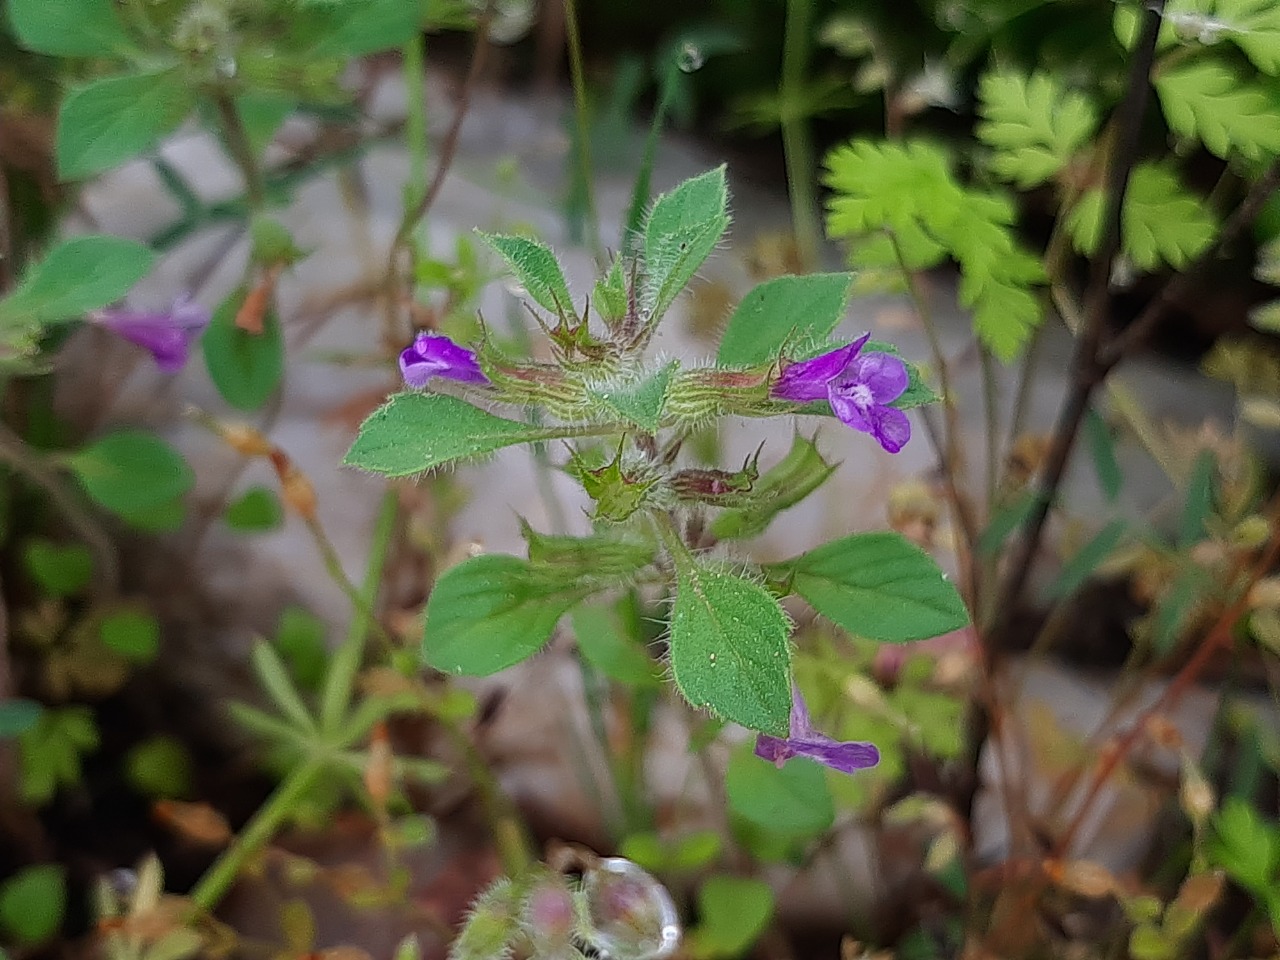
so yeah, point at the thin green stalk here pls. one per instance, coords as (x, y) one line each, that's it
(581, 121)
(413, 62)
(340, 680)
(797, 145)
(219, 878)
(241, 149)
(644, 177)
(509, 835)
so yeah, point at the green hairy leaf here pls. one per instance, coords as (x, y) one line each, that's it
(130, 471)
(490, 612)
(537, 269)
(782, 310)
(730, 652)
(415, 432)
(792, 800)
(640, 401)
(1162, 223)
(1035, 125)
(679, 234)
(877, 585)
(76, 276)
(245, 367)
(69, 28)
(1209, 101)
(108, 121)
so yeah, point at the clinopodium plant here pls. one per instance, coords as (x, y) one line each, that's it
(624, 417)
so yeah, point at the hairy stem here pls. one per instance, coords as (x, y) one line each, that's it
(241, 149)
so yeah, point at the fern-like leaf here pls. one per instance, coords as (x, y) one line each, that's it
(1209, 101)
(1034, 124)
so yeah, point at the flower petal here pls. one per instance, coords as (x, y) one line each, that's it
(846, 757)
(890, 426)
(847, 410)
(434, 355)
(167, 336)
(882, 373)
(774, 749)
(808, 379)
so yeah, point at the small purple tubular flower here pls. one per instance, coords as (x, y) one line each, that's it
(435, 355)
(859, 386)
(166, 335)
(804, 741)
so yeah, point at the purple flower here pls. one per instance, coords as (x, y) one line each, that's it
(859, 386)
(804, 741)
(435, 355)
(167, 335)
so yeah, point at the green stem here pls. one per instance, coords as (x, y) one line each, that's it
(797, 145)
(509, 834)
(241, 149)
(219, 878)
(340, 680)
(578, 73)
(414, 65)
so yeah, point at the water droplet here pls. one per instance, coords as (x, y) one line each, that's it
(690, 57)
(632, 915)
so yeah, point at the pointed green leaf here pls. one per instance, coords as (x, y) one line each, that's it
(1103, 449)
(607, 645)
(76, 276)
(278, 685)
(489, 613)
(682, 229)
(69, 28)
(131, 470)
(537, 269)
(879, 586)
(640, 400)
(1081, 566)
(108, 121)
(796, 476)
(245, 367)
(782, 310)
(414, 432)
(1209, 101)
(792, 800)
(730, 652)
(609, 295)
(1006, 518)
(356, 28)
(1199, 500)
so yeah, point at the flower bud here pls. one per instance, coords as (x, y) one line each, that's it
(695, 396)
(245, 440)
(492, 926)
(550, 915)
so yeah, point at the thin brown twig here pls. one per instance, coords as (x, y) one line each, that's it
(1087, 373)
(1220, 637)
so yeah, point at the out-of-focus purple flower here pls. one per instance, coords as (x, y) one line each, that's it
(166, 334)
(804, 741)
(859, 386)
(435, 355)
